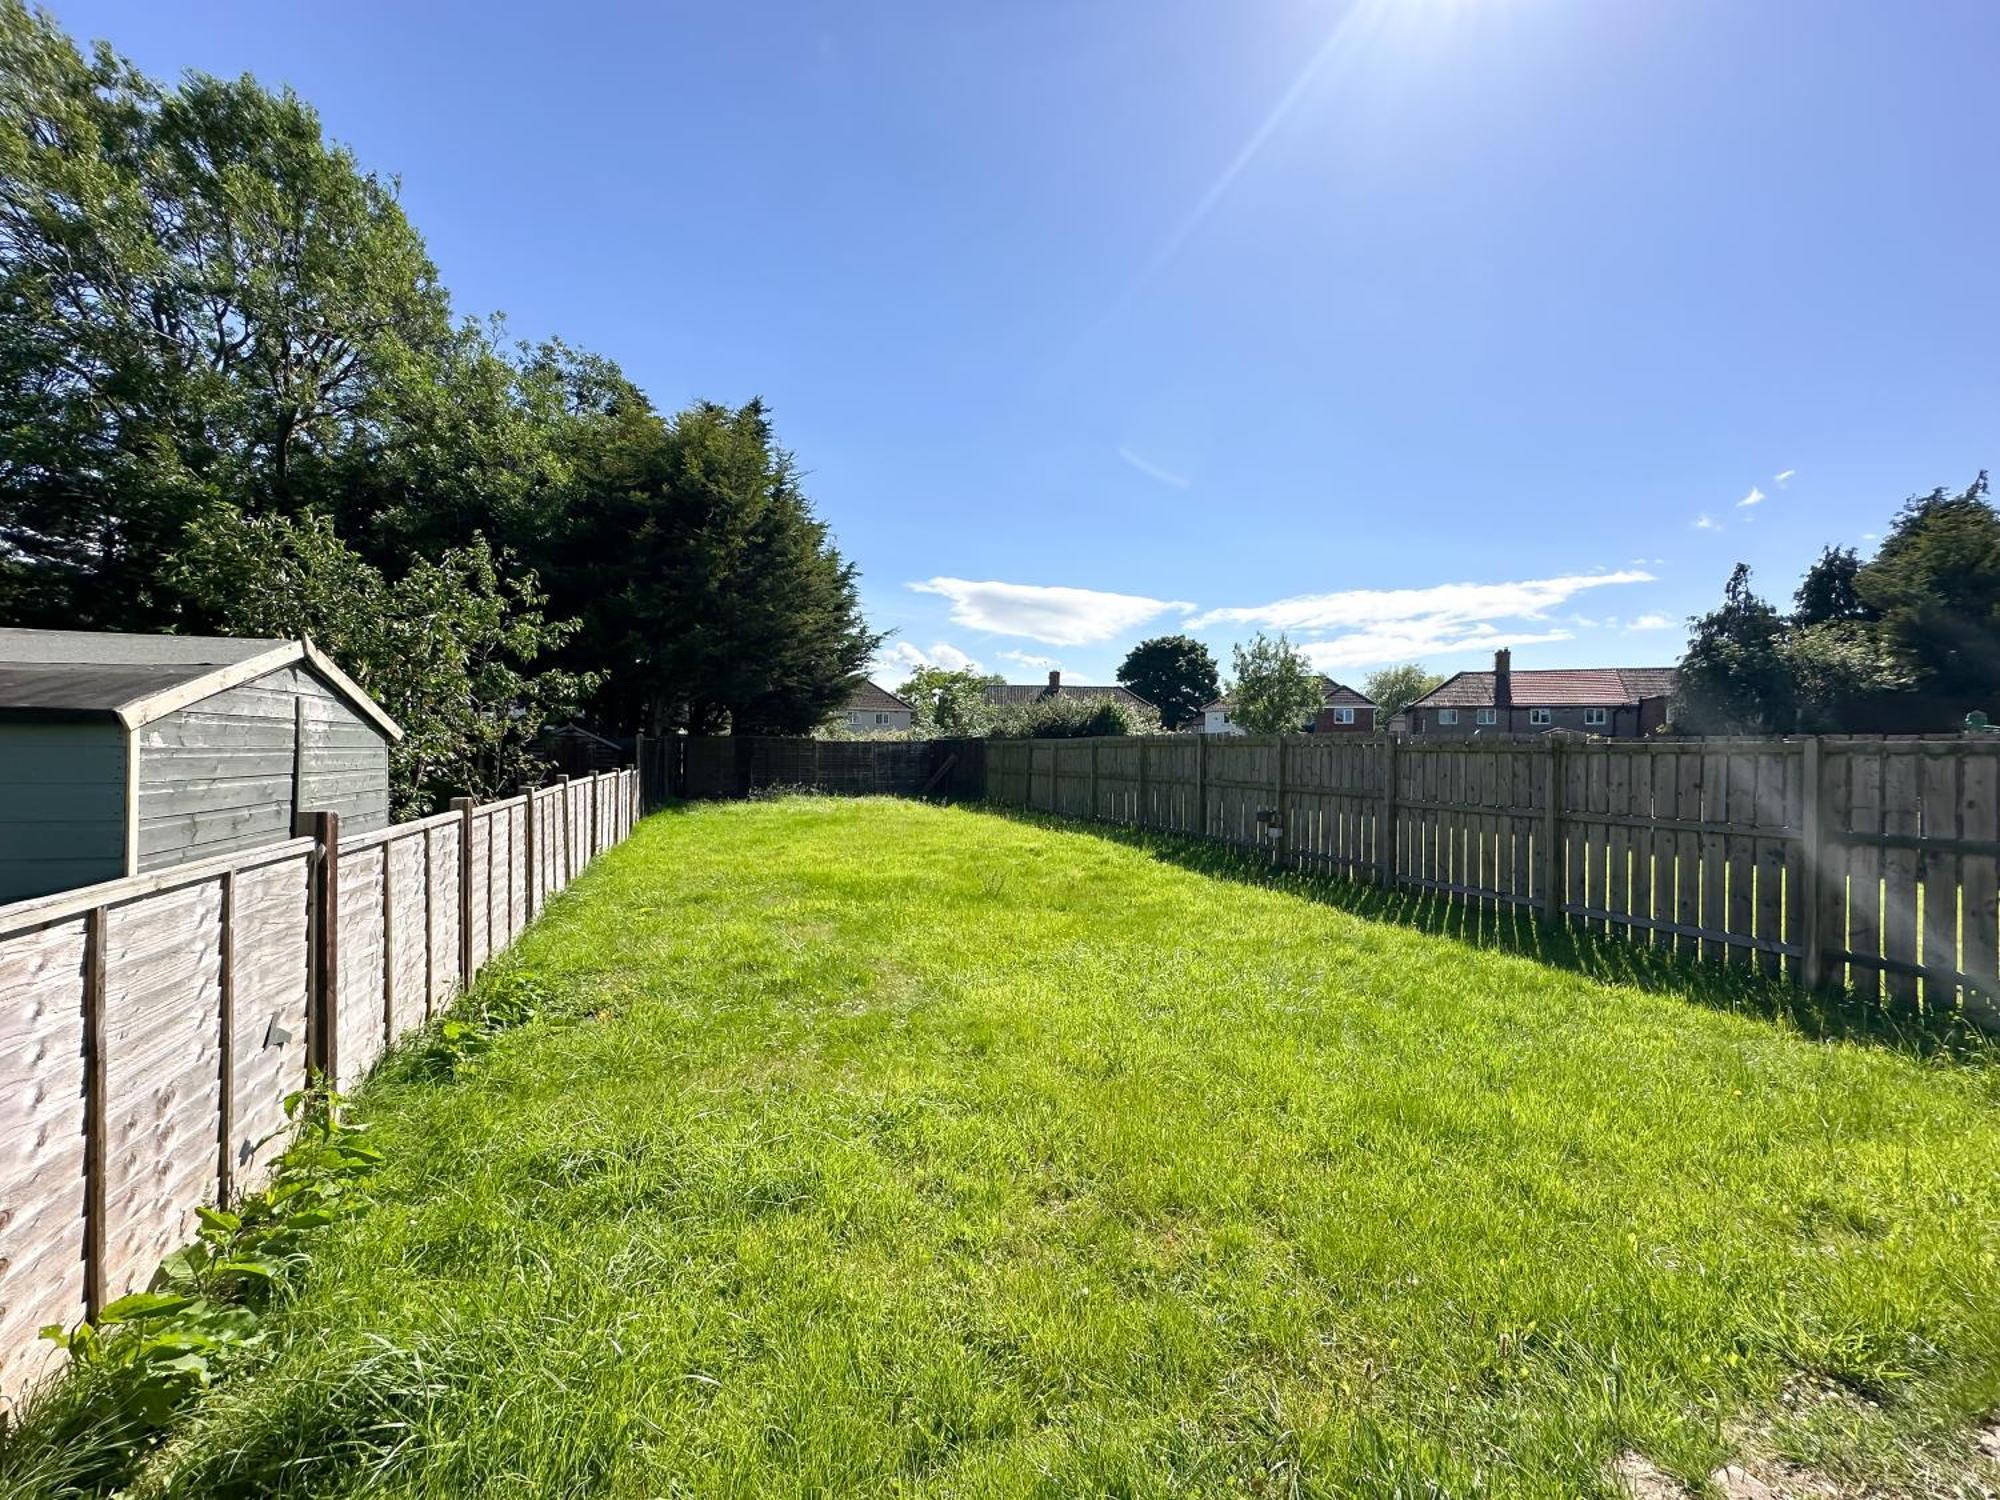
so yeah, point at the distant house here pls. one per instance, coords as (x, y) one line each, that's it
(876, 709)
(1615, 702)
(1012, 694)
(1342, 711)
(123, 753)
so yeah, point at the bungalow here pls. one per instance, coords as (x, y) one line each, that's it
(873, 709)
(1012, 694)
(1614, 702)
(1342, 711)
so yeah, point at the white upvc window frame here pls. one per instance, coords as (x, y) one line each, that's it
(1596, 718)
(1541, 718)
(1447, 717)
(1343, 716)
(1487, 716)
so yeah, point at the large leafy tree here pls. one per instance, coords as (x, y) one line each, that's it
(1275, 687)
(1393, 689)
(200, 300)
(205, 307)
(948, 704)
(1174, 673)
(1827, 594)
(702, 572)
(1734, 677)
(449, 648)
(1935, 585)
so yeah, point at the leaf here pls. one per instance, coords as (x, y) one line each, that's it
(138, 1305)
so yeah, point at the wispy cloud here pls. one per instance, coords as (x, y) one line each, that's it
(1706, 522)
(1360, 627)
(1154, 471)
(1649, 622)
(1030, 659)
(1755, 497)
(1041, 612)
(1783, 477)
(897, 661)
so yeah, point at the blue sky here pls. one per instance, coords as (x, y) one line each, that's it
(1412, 327)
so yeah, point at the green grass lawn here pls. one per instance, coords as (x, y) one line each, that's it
(877, 1148)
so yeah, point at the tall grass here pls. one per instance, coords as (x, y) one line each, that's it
(876, 1148)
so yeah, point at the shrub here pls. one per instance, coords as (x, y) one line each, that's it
(1071, 718)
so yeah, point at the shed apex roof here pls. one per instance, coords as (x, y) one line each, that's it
(136, 679)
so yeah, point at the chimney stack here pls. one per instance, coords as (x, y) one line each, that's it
(1503, 678)
(1055, 681)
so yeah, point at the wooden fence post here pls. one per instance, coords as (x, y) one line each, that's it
(568, 824)
(1385, 832)
(1550, 855)
(1201, 787)
(1094, 810)
(1145, 810)
(639, 761)
(323, 922)
(1280, 837)
(533, 877)
(388, 849)
(94, 1124)
(225, 1129)
(1812, 856)
(463, 807)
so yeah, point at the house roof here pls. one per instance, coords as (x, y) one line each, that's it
(1332, 694)
(1557, 687)
(872, 698)
(135, 679)
(1006, 694)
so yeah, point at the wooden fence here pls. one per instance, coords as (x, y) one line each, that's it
(151, 1027)
(1870, 863)
(743, 764)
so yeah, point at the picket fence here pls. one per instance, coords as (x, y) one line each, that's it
(151, 1027)
(1869, 863)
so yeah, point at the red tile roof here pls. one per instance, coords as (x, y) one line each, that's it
(1561, 687)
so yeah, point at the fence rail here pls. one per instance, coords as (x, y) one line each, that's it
(1872, 863)
(151, 1027)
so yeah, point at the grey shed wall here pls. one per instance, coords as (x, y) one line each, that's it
(62, 807)
(220, 774)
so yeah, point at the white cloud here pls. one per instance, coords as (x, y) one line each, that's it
(1030, 659)
(1155, 471)
(1650, 622)
(1059, 616)
(1359, 627)
(1755, 497)
(1706, 522)
(1783, 477)
(897, 661)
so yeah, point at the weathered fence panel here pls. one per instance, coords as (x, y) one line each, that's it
(151, 1027)
(724, 766)
(1870, 862)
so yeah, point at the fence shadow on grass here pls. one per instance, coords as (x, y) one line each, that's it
(1736, 987)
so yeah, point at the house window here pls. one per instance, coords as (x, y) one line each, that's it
(1447, 716)
(1539, 716)
(1343, 716)
(1488, 716)
(881, 718)
(1597, 716)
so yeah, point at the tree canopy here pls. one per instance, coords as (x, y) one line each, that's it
(236, 398)
(947, 704)
(1275, 688)
(1394, 689)
(1905, 641)
(1174, 673)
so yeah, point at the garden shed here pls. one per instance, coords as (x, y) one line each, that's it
(123, 753)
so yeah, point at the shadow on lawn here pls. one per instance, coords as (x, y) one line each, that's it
(1736, 987)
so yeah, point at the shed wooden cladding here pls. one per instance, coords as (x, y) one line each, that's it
(1873, 863)
(151, 1027)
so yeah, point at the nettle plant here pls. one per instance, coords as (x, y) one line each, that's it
(203, 1310)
